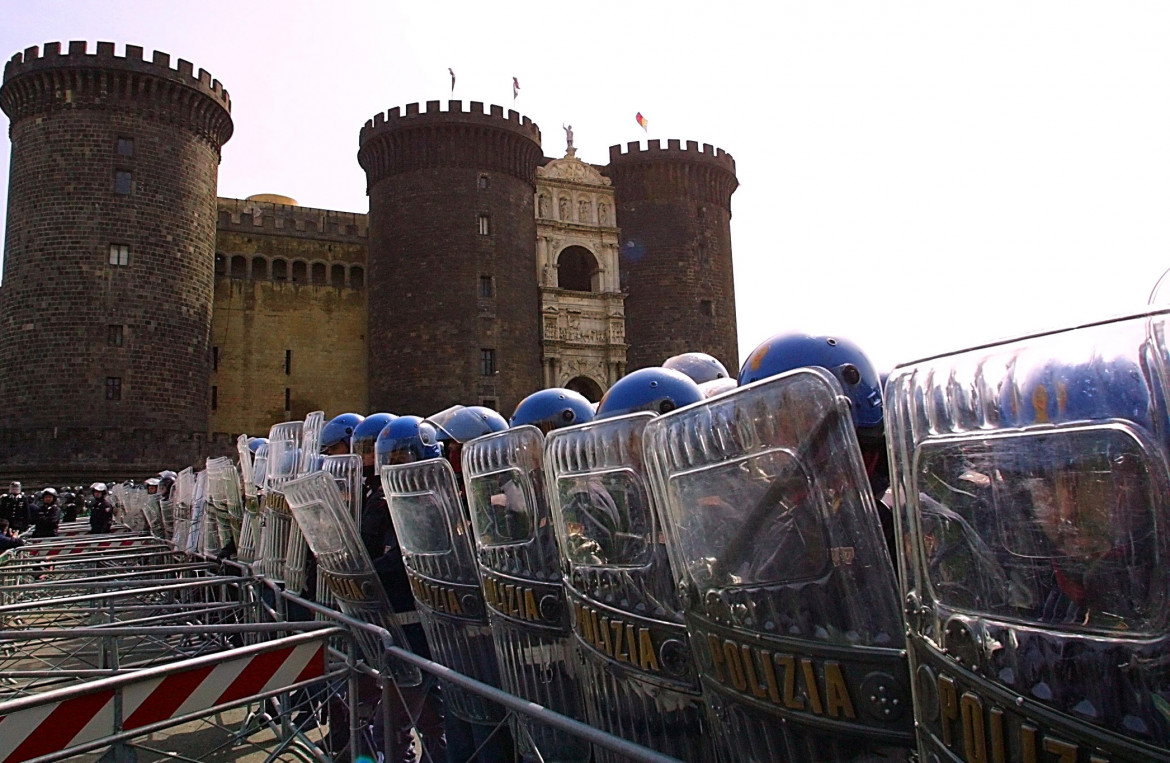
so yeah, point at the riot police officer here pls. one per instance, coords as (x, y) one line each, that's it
(46, 515)
(101, 513)
(68, 500)
(14, 507)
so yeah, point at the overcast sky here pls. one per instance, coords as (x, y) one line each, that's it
(917, 176)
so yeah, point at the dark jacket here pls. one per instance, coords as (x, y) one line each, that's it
(101, 516)
(45, 519)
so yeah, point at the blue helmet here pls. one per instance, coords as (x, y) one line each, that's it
(463, 423)
(700, 366)
(842, 358)
(340, 429)
(1058, 393)
(551, 409)
(405, 440)
(254, 443)
(658, 390)
(365, 434)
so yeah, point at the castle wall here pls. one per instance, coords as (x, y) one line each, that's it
(262, 318)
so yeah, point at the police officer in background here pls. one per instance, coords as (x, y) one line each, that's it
(68, 500)
(101, 513)
(46, 515)
(14, 507)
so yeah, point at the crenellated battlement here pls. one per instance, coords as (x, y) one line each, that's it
(633, 152)
(465, 138)
(77, 55)
(39, 80)
(412, 115)
(251, 216)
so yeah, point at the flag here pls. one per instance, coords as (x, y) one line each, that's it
(515, 88)
(642, 122)
(452, 79)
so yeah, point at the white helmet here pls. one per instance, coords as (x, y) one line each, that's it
(99, 487)
(49, 491)
(14, 487)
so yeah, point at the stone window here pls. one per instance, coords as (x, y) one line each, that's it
(707, 307)
(124, 147)
(115, 335)
(239, 266)
(300, 271)
(487, 362)
(287, 399)
(484, 182)
(337, 276)
(318, 271)
(113, 388)
(487, 289)
(214, 397)
(357, 277)
(119, 255)
(489, 402)
(220, 264)
(279, 270)
(260, 268)
(123, 182)
(214, 358)
(287, 362)
(485, 225)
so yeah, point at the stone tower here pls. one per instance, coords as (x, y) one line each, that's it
(105, 311)
(674, 211)
(454, 309)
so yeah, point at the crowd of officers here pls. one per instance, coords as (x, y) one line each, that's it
(39, 514)
(384, 438)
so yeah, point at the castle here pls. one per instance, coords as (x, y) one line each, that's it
(144, 321)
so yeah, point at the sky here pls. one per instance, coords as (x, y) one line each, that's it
(919, 177)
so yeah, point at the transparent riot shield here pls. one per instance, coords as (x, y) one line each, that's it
(134, 501)
(787, 584)
(440, 561)
(250, 517)
(184, 492)
(348, 573)
(296, 555)
(204, 531)
(637, 673)
(284, 441)
(346, 471)
(520, 567)
(224, 501)
(1031, 483)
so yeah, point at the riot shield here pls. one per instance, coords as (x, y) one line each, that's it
(346, 471)
(296, 555)
(250, 517)
(637, 672)
(224, 502)
(204, 532)
(320, 510)
(518, 561)
(786, 581)
(134, 501)
(283, 460)
(1031, 483)
(440, 561)
(184, 491)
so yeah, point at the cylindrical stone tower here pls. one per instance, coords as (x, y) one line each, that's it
(674, 211)
(105, 312)
(454, 306)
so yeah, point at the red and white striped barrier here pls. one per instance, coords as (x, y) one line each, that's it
(38, 550)
(70, 717)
